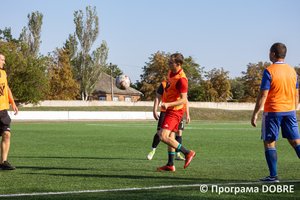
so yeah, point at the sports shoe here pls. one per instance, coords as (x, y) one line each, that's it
(167, 168)
(179, 157)
(188, 158)
(150, 155)
(270, 179)
(6, 166)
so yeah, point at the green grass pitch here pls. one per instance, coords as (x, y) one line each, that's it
(102, 157)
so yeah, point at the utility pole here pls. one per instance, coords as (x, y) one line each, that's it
(112, 84)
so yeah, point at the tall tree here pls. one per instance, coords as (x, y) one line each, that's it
(72, 45)
(252, 79)
(27, 75)
(237, 88)
(62, 85)
(87, 67)
(197, 92)
(31, 34)
(116, 71)
(194, 74)
(154, 72)
(210, 94)
(7, 36)
(218, 81)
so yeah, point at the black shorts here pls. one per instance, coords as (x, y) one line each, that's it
(4, 121)
(161, 118)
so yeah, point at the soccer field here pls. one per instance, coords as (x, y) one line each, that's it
(94, 160)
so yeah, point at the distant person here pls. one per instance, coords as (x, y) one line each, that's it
(280, 96)
(160, 98)
(175, 97)
(5, 97)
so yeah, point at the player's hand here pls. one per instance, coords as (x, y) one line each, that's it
(253, 120)
(15, 109)
(155, 115)
(165, 106)
(188, 119)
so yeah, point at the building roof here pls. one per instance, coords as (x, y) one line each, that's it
(104, 86)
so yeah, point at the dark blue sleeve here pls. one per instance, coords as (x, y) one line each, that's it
(160, 90)
(266, 80)
(297, 85)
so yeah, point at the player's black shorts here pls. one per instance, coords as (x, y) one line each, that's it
(4, 121)
(161, 118)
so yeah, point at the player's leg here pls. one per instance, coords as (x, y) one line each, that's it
(171, 123)
(156, 137)
(178, 138)
(270, 133)
(171, 154)
(271, 157)
(5, 141)
(5, 144)
(164, 136)
(296, 145)
(290, 130)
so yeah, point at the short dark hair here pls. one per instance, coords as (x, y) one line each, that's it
(178, 58)
(2, 54)
(279, 49)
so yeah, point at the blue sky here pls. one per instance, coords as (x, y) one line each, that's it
(216, 33)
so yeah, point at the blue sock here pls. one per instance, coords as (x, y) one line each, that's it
(271, 157)
(297, 149)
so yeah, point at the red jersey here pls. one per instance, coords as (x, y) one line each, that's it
(171, 92)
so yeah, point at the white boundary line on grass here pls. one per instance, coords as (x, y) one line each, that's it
(131, 189)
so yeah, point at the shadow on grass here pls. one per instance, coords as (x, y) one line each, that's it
(178, 180)
(86, 158)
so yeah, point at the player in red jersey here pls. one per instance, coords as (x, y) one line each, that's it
(280, 97)
(160, 98)
(175, 97)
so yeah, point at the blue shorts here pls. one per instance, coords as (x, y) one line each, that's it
(271, 124)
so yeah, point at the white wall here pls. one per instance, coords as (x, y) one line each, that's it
(80, 115)
(221, 105)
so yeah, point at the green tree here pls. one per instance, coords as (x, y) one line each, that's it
(154, 72)
(210, 94)
(237, 88)
(87, 67)
(27, 75)
(194, 74)
(197, 92)
(252, 79)
(218, 81)
(72, 45)
(31, 34)
(7, 36)
(116, 71)
(62, 86)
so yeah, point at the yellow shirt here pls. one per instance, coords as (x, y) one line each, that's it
(4, 103)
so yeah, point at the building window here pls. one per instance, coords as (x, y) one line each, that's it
(102, 98)
(116, 99)
(127, 98)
